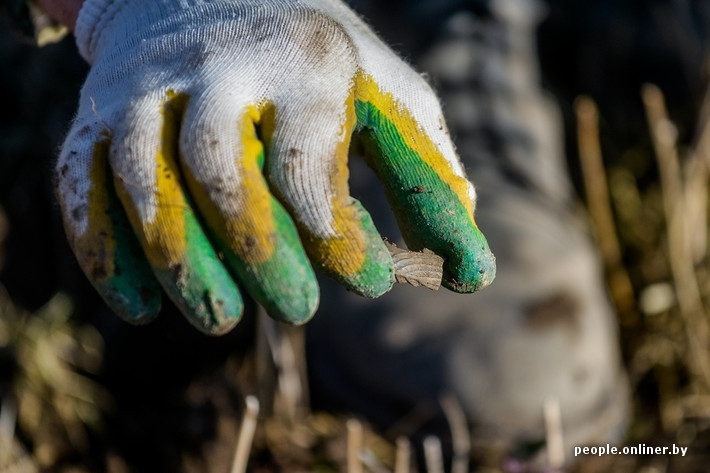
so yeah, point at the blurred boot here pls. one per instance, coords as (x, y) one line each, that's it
(543, 330)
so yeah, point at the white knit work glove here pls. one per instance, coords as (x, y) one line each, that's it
(223, 128)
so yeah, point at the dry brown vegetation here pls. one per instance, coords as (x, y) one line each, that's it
(654, 243)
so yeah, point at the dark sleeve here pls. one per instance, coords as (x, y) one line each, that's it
(16, 15)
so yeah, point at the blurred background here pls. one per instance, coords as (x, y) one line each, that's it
(82, 391)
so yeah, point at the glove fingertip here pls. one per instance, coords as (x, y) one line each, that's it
(207, 299)
(375, 275)
(284, 283)
(135, 302)
(200, 284)
(217, 315)
(298, 305)
(469, 268)
(114, 263)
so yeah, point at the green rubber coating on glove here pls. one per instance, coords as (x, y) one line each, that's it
(281, 278)
(201, 286)
(109, 252)
(132, 291)
(285, 285)
(376, 275)
(428, 211)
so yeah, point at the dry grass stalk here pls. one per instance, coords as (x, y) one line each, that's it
(354, 428)
(403, 456)
(554, 439)
(696, 192)
(293, 383)
(599, 205)
(433, 455)
(696, 198)
(246, 435)
(459, 432)
(663, 134)
(281, 352)
(373, 463)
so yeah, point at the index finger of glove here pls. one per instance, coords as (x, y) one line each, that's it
(406, 143)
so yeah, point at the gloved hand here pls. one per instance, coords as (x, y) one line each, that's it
(218, 132)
